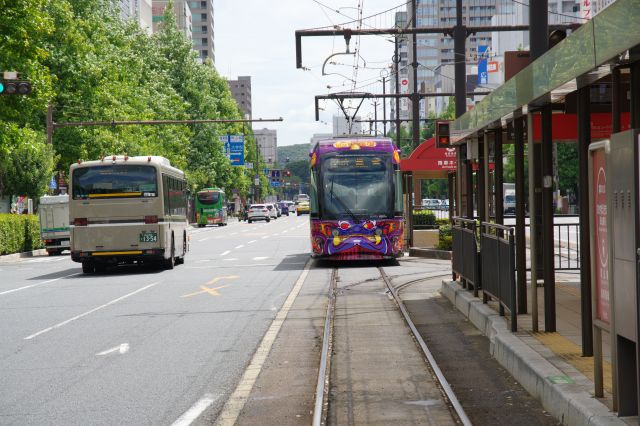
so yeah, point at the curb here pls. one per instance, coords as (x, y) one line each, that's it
(430, 253)
(571, 404)
(16, 256)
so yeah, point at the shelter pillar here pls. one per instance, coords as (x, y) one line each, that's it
(584, 139)
(547, 222)
(482, 165)
(521, 253)
(499, 176)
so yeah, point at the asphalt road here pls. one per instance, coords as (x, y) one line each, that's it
(139, 346)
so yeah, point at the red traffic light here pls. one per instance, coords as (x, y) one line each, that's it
(443, 139)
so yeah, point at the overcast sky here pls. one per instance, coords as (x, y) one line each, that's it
(256, 38)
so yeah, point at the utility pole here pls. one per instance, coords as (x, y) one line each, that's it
(415, 100)
(396, 60)
(384, 105)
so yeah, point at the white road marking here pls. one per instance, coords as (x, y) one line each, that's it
(246, 230)
(284, 232)
(234, 233)
(260, 258)
(37, 284)
(198, 408)
(203, 260)
(230, 258)
(225, 253)
(203, 239)
(240, 246)
(265, 237)
(121, 349)
(252, 241)
(238, 399)
(60, 324)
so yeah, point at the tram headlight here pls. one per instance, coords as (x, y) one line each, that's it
(335, 233)
(378, 232)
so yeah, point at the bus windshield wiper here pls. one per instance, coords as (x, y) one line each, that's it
(344, 206)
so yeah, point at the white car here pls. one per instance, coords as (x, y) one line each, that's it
(273, 211)
(258, 212)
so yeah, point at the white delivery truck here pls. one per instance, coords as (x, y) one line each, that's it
(54, 223)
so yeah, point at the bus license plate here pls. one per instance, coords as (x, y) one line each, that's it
(148, 237)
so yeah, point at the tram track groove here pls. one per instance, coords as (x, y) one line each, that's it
(442, 381)
(322, 397)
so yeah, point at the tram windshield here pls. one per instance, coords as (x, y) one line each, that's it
(356, 185)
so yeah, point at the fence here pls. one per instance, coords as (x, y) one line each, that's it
(498, 268)
(465, 257)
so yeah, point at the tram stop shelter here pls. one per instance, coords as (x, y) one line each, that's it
(584, 90)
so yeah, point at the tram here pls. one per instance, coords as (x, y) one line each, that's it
(356, 199)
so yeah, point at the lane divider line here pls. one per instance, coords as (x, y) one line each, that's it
(194, 412)
(225, 253)
(240, 246)
(77, 317)
(252, 241)
(239, 397)
(37, 284)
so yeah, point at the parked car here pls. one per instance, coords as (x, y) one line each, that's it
(273, 211)
(303, 207)
(258, 212)
(431, 204)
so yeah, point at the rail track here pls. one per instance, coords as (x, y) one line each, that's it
(323, 400)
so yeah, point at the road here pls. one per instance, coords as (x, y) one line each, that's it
(137, 345)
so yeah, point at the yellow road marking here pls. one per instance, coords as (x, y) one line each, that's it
(571, 353)
(212, 291)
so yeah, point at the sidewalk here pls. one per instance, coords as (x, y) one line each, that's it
(548, 365)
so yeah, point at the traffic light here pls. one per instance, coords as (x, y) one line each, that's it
(287, 173)
(15, 87)
(443, 139)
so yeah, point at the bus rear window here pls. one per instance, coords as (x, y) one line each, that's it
(208, 197)
(114, 181)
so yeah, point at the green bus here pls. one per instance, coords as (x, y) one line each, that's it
(211, 207)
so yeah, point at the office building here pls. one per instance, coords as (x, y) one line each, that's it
(403, 74)
(138, 10)
(435, 52)
(341, 126)
(241, 91)
(203, 40)
(182, 12)
(267, 140)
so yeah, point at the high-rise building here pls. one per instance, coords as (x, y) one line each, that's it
(435, 52)
(267, 140)
(203, 40)
(139, 10)
(182, 12)
(241, 91)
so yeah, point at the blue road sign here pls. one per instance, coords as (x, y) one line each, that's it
(234, 148)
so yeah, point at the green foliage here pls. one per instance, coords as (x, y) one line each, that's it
(93, 66)
(298, 152)
(445, 239)
(301, 170)
(424, 218)
(19, 233)
(568, 167)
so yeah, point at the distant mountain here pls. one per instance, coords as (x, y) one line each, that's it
(299, 152)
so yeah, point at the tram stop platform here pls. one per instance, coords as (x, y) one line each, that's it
(549, 365)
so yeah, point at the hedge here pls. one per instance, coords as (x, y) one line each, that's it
(424, 218)
(19, 233)
(445, 240)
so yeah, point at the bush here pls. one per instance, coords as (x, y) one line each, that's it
(441, 222)
(19, 233)
(445, 240)
(424, 218)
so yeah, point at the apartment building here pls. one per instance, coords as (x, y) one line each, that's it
(241, 91)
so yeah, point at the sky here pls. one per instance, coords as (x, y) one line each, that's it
(257, 38)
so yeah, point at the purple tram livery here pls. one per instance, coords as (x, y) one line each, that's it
(356, 199)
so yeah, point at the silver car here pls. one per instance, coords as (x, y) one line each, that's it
(273, 211)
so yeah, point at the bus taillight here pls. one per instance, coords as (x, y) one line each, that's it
(151, 219)
(80, 221)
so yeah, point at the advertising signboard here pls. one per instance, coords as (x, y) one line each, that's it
(600, 236)
(483, 77)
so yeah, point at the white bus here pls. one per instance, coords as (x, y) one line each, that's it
(127, 210)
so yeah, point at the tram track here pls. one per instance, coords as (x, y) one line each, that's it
(323, 397)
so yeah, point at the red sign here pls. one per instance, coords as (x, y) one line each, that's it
(564, 127)
(600, 236)
(405, 81)
(492, 66)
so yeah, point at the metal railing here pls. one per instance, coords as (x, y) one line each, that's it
(465, 257)
(498, 268)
